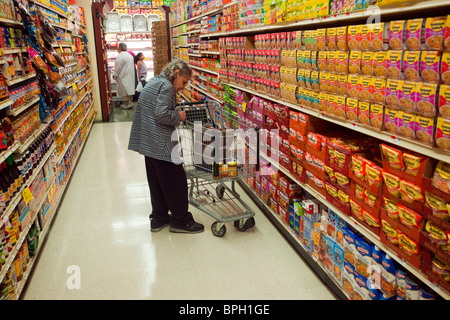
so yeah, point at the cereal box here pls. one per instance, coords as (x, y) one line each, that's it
(378, 90)
(396, 35)
(447, 34)
(363, 256)
(407, 125)
(411, 60)
(445, 68)
(394, 64)
(392, 88)
(379, 40)
(429, 66)
(415, 34)
(338, 263)
(367, 63)
(444, 102)
(350, 246)
(443, 133)
(363, 112)
(434, 33)
(351, 109)
(427, 99)
(349, 278)
(407, 96)
(376, 116)
(354, 37)
(331, 38)
(391, 120)
(341, 39)
(329, 246)
(380, 64)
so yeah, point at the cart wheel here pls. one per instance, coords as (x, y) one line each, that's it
(218, 232)
(248, 224)
(220, 190)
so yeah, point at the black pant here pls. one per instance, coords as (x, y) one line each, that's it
(168, 190)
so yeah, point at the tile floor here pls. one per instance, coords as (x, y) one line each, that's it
(100, 246)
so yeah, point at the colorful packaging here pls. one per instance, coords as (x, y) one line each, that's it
(379, 90)
(392, 92)
(415, 34)
(444, 102)
(366, 35)
(394, 64)
(429, 66)
(388, 276)
(427, 99)
(407, 125)
(322, 61)
(397, 35)
(331, 61)
(354, 85)
(380, 64)
(445, 68)
(354, 37)
(367, 63)
(447, 34)
(407, 96)
(443, 133)
(363, 112)
(331, 39)
(379, 37)
(342, 62)
(376, 116)
(425, 128)
(342, 84)
(391, 120)
(352, 109)
(321, 39)
(411, 61)
(366, 89)
(434, 33)
(341, 39)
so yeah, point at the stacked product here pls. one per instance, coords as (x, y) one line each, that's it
(160, 46)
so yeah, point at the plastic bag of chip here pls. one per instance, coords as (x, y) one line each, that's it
(37, 60)
(59, 90)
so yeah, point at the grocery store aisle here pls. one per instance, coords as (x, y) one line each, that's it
(100, 245)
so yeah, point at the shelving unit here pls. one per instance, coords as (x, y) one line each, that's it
(373, 14)
(35, 203)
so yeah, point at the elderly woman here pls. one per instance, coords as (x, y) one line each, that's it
(154, 122)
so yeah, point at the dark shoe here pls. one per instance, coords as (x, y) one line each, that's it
(156, 226)
(186, 227)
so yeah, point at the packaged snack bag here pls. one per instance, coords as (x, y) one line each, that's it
(367, 63)
(407, 96)
(407, 125)
(447, 34)
(352, 109)
(397, 35)
(323, 81)
(411, 61)
(444, 102)
(443, 133)
(354, 85)
(380, 64)
(415, 34)
(445, 68)
(425, 128)
(427, 99)
(342, 84)
(331, 38)
(332, 83)
(376, 116)
(342, 59)
(300, 59)
(354, 37)
(392, 88)
(429, 66)
(379, 37)
(379, 90)
(331, 61)
(434, 33)
(354, 64)
(366, 89)
(363, 112)
(322, 39)
(391, 120)
(394, 64)
(366, 35)
(341, 39)
(322, 61)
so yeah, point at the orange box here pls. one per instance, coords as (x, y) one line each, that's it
(443, 133)
(363, 112)
(354, 37)
(380, 64)
(366, 89)
(376, 116)
(351, 109)
(354, 62)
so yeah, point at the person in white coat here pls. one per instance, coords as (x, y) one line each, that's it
(124, 75)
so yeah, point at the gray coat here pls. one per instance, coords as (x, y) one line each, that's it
(155, 120)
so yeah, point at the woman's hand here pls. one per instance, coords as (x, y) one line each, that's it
(182, 115)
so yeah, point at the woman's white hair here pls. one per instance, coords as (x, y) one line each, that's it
(176, 64)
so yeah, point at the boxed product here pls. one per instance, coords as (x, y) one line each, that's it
(443, 133)
(338, 263)
(363, 256)
(434, 33)
(348, 278)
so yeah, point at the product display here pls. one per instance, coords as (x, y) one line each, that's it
(360, 110)
(46, 112)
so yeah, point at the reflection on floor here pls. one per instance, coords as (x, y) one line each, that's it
(119, 114)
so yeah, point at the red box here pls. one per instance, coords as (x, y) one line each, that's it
(298, 170)
(427, 186)
(372, 188)
(316, 183)
(413, 260)
(374, 210)
(288, 186)
(412, 232)
(344, 207)
(415, 205)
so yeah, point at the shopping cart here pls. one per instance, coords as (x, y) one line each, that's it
(217, 149)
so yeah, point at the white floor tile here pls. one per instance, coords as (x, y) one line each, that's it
(102, 228)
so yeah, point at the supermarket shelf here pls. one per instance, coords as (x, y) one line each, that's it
(363, 230)
(50, 8)
(217, 52)
(61, 27)
(204, 69)
(16, 111)
(6, 103)
(219, 9)
(10, 22)
(30, 139)
(20, 79)
(384, 136)
(296, 243)
(194, 55)
(11, 149)
(190, 32)
(13, 50)
(207, 93)
(368, 14)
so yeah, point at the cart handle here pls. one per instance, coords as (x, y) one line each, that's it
(190, 103)
(257, 147)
